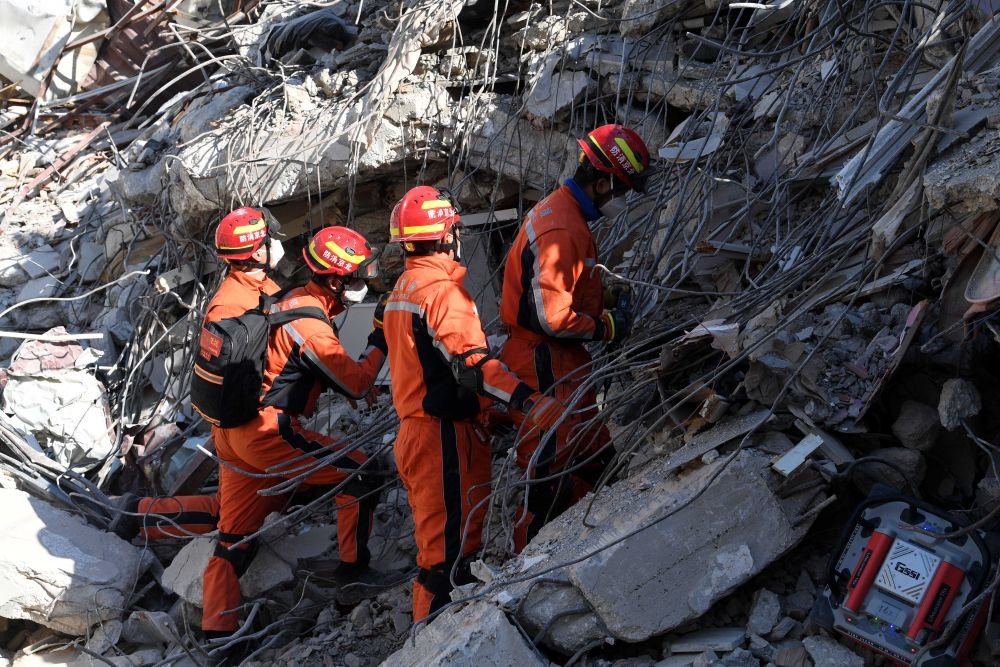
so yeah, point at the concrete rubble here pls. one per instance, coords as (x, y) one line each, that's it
(814, 264)
(57, 570)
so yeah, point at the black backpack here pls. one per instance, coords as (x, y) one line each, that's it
(229, 368)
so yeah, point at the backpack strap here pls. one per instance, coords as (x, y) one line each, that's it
(283, 317)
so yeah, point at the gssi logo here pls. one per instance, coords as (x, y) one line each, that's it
(902, 569)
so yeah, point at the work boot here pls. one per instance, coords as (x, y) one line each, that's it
(125, 524)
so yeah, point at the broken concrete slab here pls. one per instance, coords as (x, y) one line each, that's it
(709, 639)
(59, 572)
(965, 180)
(717, 541)
(477, 634)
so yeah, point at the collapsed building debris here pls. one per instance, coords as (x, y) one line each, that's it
(813, 263)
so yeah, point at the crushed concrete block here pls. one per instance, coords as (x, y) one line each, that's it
(710, 639)
(59, 572)
(478, 634)
(764, 612)
(826, 652)
(567, 633)
(917, 425)
(716, 542)
(959, 399)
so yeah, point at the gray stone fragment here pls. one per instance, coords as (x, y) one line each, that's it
(58, 571)
(791, 656)
(798, 604)
(710, 639)
(478, 634)
(570, 631)
(761, 648)
(805, 583)
(683, 660)
(150, 627)
(907, 467)
(917, 425)
(826, 652)
(764, 613)
(959, 400)
(785, 628)
(739, 658)
(706, 659)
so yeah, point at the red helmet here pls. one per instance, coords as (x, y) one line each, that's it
(341, 251)
(423, 214)
(618, 151)
(240, 234)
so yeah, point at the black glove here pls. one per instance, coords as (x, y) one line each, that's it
(616, 325)
(380, 311)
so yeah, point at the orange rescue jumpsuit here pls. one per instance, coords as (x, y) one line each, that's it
(179, 516)
(303, 357)
(430, 323)
(552, 303)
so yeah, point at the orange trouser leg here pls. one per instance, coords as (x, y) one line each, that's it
(445, 469)
(274, 442)
(242, 511)
(558, 368)
(177, 516)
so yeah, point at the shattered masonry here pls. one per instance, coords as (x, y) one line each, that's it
(815, 262)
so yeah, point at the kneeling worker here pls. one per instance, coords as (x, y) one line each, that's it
(304, 357)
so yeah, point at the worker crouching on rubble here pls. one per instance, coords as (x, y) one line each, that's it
(440, 366)
(553, 304)
(247, 241)
(304, 357)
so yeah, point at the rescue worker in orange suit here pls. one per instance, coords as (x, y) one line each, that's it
(303, 358)
(552, 304)
(246, 241)
(440, 366)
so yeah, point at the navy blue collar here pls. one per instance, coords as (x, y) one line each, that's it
(590, 211)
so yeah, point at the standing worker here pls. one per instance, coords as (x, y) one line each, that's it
(552, 303)
(245, 241)
(440, 366)
(304, 356)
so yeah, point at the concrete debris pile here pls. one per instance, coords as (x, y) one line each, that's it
(813, 264)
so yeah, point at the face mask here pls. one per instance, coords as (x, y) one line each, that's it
(613, 207)
(356, 291)
(276, 253)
